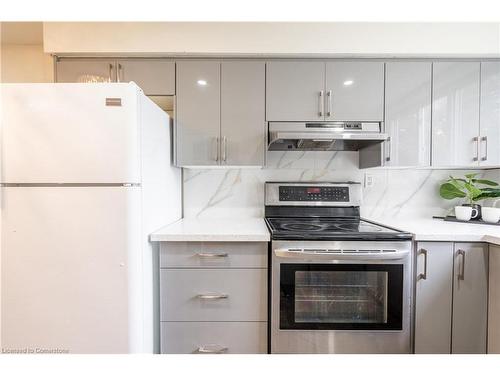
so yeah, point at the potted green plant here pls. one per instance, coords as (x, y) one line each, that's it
(470, 188)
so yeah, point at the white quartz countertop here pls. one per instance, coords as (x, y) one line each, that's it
(230, 230)
(440, 230)
(255, 230)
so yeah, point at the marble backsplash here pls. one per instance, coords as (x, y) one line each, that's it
(234, 193)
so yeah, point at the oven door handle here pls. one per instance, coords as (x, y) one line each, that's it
(389, 254)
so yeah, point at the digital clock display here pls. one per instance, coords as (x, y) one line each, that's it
(314, 193)
(313, 190)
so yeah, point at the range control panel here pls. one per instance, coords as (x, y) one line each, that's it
(314, 193)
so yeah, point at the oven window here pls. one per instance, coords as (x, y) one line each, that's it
(341, 296)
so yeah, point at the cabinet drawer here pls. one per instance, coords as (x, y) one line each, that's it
(213, 255)
(226, 337)
(213, 295)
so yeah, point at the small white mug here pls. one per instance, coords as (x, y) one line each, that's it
(490, 214)
(463, 213)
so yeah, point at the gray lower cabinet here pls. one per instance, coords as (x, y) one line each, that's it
(214, 337)
(470, 298)
(220, 113)
(451, 297)
(213, 297)
(494, 301)
(433, 301)
(153, 76)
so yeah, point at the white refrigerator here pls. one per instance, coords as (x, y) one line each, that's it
(86, 176)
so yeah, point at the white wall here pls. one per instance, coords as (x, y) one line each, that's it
(24, 63)
(259, 38)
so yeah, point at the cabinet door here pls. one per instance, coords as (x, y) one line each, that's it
(243, 113)
(490, 114)
(295, 90)
(153, 76)
(470, 298)
(197, 113)
(433, 301)
(455, 114)
(408, 113)
(354, 91)
(85, 70)
(494, 301)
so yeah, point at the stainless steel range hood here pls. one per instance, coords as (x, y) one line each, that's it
(324, 136)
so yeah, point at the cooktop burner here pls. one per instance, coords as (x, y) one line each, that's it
(316, 211)
(328, 228)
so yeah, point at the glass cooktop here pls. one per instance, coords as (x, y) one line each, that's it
(330, 228)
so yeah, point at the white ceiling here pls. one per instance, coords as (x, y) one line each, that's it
(21, 32)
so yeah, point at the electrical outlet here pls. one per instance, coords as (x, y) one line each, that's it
(369, 180)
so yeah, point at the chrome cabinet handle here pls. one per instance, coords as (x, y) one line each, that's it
(476, 140)
(211, 349)
(485, 140)
(212, 255)
(321, 104)
(216, 153)
(461, 275)
(423, 276)
(224, 148)
(212, 296)
(329, 103)
(389, 143)
(110, 73)
(118, 72)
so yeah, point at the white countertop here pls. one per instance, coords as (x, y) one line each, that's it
(440, 230)
(230, 230)
(255, 230)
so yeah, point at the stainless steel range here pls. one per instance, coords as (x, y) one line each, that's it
(340, 284)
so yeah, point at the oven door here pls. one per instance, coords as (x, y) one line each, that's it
(341, 296)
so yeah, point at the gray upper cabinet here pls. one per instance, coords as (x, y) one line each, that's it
(455, 114)
(408, 114)
(153, 76)
(85, 70)
(470, 298)
(490, 114)
(197, 113)
(295, 91)
(433, 301)
(354, 91)
(243, 124)
(319, 91)
(220, 113)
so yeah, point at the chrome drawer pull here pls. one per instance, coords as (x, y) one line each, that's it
(423, 276)
(212, 296)
(211, 349)
(212, 255)
(461, 275)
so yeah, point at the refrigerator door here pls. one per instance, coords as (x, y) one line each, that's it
(71, 269)
(70, 133)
